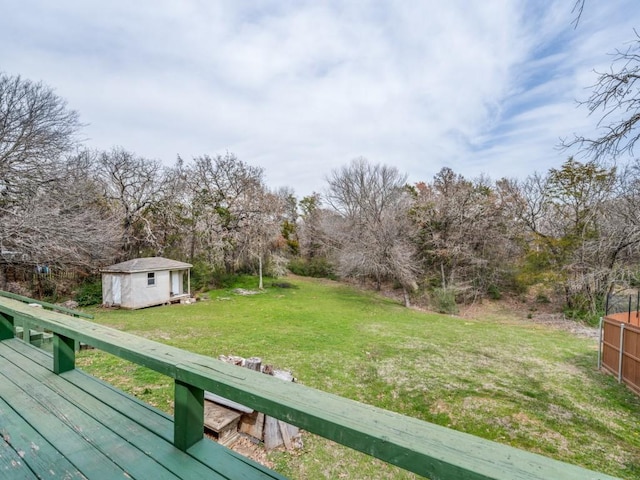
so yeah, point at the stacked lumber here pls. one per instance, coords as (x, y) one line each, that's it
(227, 419)
(222, 422)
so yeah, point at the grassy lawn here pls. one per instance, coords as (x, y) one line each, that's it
(500, 377)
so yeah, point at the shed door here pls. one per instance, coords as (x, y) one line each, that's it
(116, 289)
(176, 283)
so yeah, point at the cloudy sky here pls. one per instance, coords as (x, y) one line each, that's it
(302, 87)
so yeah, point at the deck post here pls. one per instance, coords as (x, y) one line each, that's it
(64, 353)
(188, 426)
(26, 331)
(6, 326)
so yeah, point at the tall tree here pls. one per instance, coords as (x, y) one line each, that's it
(47, 210)
(171, 214)
(36, 130)
(373, 234)
(289, 227)
(132, 185)
(463, 233)
(311, 233)
(221, 190)
(262, 230)
(563, 211)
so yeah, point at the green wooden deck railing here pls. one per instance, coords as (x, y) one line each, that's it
(46, 305)
(430, 450)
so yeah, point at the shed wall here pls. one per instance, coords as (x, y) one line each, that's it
(143, 295)
(107, 293)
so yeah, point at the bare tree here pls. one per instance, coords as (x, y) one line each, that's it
(131, 185)
(261, 230)
(62, 223)
(314, 242)
(578, 9)
(170, 215)
(36, 129)
(616, 99)
(371, 230)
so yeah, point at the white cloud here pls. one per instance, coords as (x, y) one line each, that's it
(300, 88)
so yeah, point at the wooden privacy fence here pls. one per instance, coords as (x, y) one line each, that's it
(30, 273)
(619, 351)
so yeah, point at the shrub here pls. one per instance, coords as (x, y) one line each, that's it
(89, 293)
(494, 292)
(444, 300)
(205, 277)
(542, 298)
(221, 279)
(201, 275)
(315, 267)
(283, 285)
(276, 266)
(582, 309)
(46, 289)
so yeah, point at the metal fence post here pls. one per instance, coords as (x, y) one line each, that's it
(600, 327)
(621, 352)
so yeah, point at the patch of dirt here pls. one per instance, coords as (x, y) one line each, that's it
(244, 291)
(254, 451)
(558, 320)
(440, 407)
(244, 446)
(517, 311)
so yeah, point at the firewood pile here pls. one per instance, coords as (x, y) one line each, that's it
(227, 420)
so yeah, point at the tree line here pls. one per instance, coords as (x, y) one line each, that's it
(571, 233)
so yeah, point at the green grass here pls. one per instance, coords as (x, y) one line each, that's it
(498, 377)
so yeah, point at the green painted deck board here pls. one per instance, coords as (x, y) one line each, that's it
(12, 466)
(36, 454)
(83, 429)
(135, 408)
(148, 427)
(112, 420)
(51, 428)
(12, 441)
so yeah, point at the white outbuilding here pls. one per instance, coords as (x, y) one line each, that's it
(144, 282)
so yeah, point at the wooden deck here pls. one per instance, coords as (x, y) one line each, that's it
(72, 426)
(54, 418)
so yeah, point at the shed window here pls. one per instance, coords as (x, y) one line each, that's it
(151, 279)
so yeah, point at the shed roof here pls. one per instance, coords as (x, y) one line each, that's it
(149, 264)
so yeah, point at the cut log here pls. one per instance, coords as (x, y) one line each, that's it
(232, 359)
(252, 424)
(290, 435)
(253, 363)
(272, 435)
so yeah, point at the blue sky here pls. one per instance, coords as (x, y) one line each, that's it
(301, 88)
